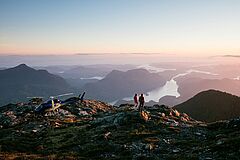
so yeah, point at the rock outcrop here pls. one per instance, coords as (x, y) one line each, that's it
(96, 130)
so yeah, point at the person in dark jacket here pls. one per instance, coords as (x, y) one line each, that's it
(141, 103)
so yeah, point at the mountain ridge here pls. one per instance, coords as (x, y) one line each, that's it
(22, 81)
(119, 84)
(211, 105)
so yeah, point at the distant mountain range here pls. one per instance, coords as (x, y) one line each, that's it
(21, 81)
(211, 105)
(84, 71)
(78, 75)
(118, 84)
(190, 86)
(199, 84)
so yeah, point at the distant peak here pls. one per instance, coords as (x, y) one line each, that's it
(22, 67)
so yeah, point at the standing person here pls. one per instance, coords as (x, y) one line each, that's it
(141, 103)
(135, 101)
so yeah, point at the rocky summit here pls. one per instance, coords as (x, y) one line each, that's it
(96, 130)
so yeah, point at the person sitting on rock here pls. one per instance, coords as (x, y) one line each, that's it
(135, 101)
(141, 103)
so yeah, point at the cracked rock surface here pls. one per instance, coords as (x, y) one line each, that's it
(96, 130)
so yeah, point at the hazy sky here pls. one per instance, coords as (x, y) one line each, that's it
(175, 27)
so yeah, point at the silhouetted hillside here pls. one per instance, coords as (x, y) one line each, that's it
(211, 106)
(21, 81)
(118, 84)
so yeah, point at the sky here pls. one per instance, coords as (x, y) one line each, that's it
(161, 27)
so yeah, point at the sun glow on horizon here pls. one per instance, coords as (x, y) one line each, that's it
(190, 28)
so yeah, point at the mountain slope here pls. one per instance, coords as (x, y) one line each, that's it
(211, 105)
(21, 81)
(117, 84)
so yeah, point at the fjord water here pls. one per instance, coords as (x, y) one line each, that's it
(170, 88)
